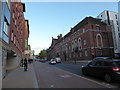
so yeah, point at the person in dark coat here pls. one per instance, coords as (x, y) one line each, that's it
(21, 63)
(25, 64)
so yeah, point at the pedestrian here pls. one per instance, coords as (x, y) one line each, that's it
(21, 63)
(25, 64)
(29, 60)
(93, 56)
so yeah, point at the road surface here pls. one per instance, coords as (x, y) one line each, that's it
(49, 76)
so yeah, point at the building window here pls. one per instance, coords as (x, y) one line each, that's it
(97, 27)
(80, 54)
(116, 16)
(101, 15)
(100, 52)
(69, 39)
(83, 30)
(119, 35)
(92, 26)
(6, 27)
(85, 42)
(99, 40)
(16, 5)
(14, 39)
(118, 29)
(12, 36)
(13, 15)
(117, 22)
(80, 43)
(86, 53)
(15, 22)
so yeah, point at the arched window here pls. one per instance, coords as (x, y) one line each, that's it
(99, 40)
(80, 43)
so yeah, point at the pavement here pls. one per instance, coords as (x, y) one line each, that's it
(20, 79)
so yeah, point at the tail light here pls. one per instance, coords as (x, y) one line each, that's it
(116, 69)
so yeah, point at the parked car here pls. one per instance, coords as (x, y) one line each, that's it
(107, 69)
(58, 60)
(43, 60)
(102, 58)
(52, 61)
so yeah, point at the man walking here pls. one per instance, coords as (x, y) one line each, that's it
(25, 64)
(21, 63)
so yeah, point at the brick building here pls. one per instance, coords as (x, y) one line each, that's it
(111, 18)
(88, 39)
(17, 38)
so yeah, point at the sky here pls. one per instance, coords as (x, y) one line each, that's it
(49, 19)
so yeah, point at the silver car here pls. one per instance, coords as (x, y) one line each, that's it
(52, 61)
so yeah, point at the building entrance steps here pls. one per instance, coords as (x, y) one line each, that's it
(20, 79)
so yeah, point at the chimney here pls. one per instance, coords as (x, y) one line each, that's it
(59, 36)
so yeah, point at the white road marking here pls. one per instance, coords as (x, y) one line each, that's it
(65, 76)
(51, 85)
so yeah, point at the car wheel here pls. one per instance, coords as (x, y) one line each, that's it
(84, 72)
(108, 78)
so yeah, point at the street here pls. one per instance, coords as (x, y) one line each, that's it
(76, 69)
(49, 76)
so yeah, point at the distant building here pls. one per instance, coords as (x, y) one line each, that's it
(111, 18)
(90, 38)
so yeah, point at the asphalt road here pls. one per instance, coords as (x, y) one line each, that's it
(76, 69)
(49, 76)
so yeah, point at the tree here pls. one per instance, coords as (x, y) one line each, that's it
(42, 54)
(37, 56)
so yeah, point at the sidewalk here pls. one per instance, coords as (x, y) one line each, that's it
(20, 79)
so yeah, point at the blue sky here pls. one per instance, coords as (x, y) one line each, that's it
(49, 19)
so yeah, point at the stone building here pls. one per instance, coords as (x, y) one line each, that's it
(88, 39)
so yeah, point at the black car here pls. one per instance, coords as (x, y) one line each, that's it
(102, 58)
(107, 69)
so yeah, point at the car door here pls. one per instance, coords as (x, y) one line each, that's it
(90, 68)
(99, 68)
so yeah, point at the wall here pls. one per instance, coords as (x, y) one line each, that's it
(0, 64)
(0, 49)
(12, 62)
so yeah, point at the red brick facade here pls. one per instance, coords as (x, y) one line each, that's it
(17, 28)
(89, 38)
